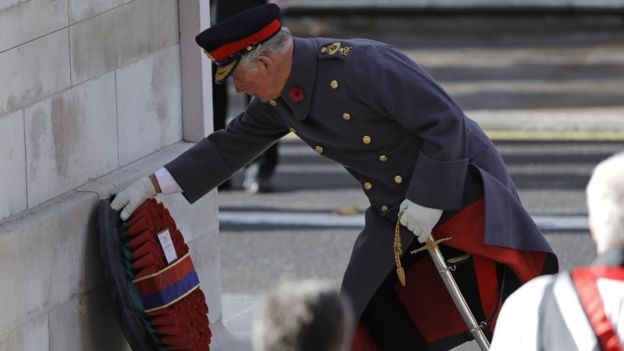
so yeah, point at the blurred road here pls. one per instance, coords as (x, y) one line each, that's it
(550, 91)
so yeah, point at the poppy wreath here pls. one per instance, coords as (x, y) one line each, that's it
(161, 286)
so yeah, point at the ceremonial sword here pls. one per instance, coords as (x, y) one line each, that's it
(460, 302)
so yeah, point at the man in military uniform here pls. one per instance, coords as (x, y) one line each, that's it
(419, 159)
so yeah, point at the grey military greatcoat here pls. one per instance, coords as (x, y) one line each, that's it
(370, 108)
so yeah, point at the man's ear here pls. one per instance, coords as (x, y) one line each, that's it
(266, 62)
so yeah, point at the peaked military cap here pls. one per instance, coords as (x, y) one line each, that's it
(226, 42)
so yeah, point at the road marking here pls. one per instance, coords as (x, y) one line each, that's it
(539, 135)
(312, 219)
(597, 150)
(316, 219)
(555, 135)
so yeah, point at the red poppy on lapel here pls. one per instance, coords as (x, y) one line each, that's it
(296, 94)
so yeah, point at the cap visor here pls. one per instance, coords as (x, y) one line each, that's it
(224, 71)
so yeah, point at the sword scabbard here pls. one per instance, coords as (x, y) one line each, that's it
(456, 295)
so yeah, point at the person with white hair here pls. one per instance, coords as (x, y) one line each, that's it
(308, 315)
(582, 309)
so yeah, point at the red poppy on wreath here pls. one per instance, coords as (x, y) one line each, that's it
(296, 94)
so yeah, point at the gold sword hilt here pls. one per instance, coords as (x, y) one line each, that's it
(430, 244)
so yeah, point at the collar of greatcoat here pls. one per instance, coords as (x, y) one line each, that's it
(302, 75)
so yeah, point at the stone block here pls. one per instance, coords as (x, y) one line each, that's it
(86, 323)
(13, 159)
(71, 138)
(207, 262)
(116, 181)
(196, 220)
(5, 4)
(49, 255)
(121, 36)
(196, 72)
(149, 105)
(80, 9)
(32, 335)
(23, 21)
(37, 69)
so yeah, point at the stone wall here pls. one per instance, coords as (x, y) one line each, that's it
(89, 86)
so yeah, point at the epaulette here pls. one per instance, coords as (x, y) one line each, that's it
(335, 50)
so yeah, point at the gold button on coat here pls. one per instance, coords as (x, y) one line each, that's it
(334, 84)
(366, 139)
(368, 185)
(318, 149)
(273, 102)
(346, 116)
(384, 208)
(383, 158)
(398, 179)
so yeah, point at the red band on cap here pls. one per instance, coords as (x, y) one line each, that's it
(227, 50)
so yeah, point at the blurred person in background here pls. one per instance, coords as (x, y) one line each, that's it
(582, 309)
(426, 168)
(308, 315)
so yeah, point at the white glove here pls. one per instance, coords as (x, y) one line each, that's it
(133, 196)
(420, 220)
